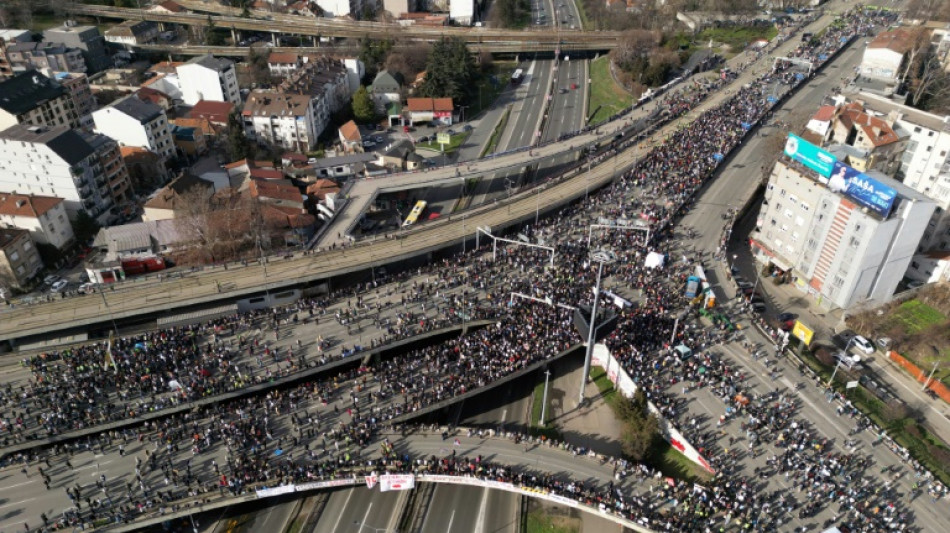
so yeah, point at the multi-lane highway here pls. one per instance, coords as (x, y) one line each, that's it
(220, 284)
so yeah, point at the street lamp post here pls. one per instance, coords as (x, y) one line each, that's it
(930, 377)
(601, 257)
(837, 366)
(544, 399)
(537, 208)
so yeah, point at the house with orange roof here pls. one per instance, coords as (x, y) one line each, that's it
(282, 63)
(168, 7)
(43, 216)
(435, 110)
(885, 56)
(217, 113)
(276, 192)
(350, 136)
(875, 144)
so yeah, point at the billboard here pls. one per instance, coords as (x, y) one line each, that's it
(396, 482)
(863, 189)
(810, 155)
(803, 333)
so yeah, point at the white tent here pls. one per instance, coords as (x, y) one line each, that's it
(654, 260)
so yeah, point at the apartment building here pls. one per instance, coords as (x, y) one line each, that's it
(8, 38)
(842, 235)
(41, 56)
(287, 120)
(133, 32)
(19, 259)
(132, 122)
(44, 217)
(86, 38)
(31, 98)
(57, 161)
(208, 78)
(76, 85)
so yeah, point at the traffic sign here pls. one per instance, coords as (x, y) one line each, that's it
(443, 138)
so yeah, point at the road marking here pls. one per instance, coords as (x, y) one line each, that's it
(480, 522)
(451, 519)
(17, 503)
(18, 485)
(336, 526)
(93, 465)
(834, 423)
(366, 515)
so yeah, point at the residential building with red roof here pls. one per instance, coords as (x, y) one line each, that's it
(436, 110)
(215, 112)
(44, 217)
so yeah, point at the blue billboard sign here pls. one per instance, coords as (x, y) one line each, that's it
(863, 189)
(810, 155)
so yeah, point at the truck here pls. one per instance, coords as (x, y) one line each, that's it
(692, 286)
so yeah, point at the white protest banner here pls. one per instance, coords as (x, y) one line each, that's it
(396, 482)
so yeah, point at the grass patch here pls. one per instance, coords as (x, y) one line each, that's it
(492, 144)
(923, 447)
(296, 526)
(540, 522)
(662, 456)
(738, 37)
(606, 98)
(917, 316)
(535, 429)
(456, 140)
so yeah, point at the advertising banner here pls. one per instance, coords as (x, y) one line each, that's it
(396, 482)
(314, 485)
(803, 333)
(810, 155)
(863, 189)
(275, 491)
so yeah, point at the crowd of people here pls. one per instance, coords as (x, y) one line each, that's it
(322, 429)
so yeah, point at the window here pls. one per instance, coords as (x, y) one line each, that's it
(27, 246)
(838, 281)
(799, 221)
(782, 193)
(914, 265)
(15, 256)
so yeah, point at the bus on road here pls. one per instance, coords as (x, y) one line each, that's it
(415, 213)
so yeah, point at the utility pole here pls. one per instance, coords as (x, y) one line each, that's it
(544, 400)
(930, 377)
(600, 257)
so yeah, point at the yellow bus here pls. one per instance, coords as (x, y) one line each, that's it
(415, 213)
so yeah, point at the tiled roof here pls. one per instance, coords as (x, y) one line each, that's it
(22, 205)
(825, 113)
(350, 131)
(429, 104)
(212, 110)
(898, 40)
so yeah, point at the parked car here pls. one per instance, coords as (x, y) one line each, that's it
(368, 144)
(51, 279)
(59, 286)
(863, 344)
(423, 139)
(884, 343)
(378, 139)
(758, 306)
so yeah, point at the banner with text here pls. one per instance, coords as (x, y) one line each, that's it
(396, 482)
(811, 156)
(863, 189)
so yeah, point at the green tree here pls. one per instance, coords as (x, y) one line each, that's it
(641, 429)
(258, 70)
(364, 110)
(450, 72)
(85, 227)
(372, 53)
(238, 145)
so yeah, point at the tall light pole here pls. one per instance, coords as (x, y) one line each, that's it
(537, 208)
(544, 399)
(930, 377)
(600, 256)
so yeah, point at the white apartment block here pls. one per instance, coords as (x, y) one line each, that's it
(839, 251)
(209, 78)
(132, 122)
(462, 11)
(287, 120)
(44, 217)
(33, 99)
(341, 8)
(44, 161)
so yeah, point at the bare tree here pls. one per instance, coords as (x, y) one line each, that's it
(634, 46)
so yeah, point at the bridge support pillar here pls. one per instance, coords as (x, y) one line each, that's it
(234, 38)
(273, 38)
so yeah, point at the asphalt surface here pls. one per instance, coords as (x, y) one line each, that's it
(360, 510)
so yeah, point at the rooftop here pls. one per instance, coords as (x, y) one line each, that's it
(168, 196)
(144, 112)
(263, 103)
(212, 110)
(8, 235)
(429, 104)
(13, 35)
(24, 205)
(209, 61)
(350, 131)
(899, 40)
(905, 113)
(27, 90)
(66, 143)
(282, 58)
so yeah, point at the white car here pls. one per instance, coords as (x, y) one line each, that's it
(59, 286)
(863, 344)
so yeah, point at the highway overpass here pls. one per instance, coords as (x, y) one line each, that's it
(533, 39)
